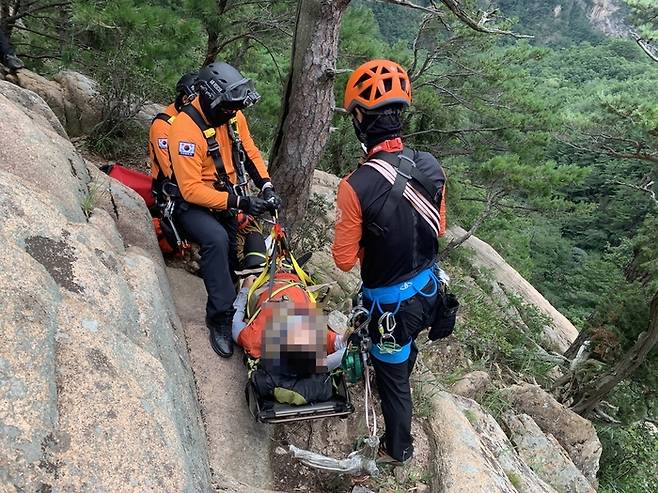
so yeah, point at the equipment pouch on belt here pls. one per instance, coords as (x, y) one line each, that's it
(445, 316)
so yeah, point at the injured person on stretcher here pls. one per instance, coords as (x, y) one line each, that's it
(281, 326)
(291, 354)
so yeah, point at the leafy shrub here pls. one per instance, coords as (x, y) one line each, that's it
(629, 463)
(314, 232)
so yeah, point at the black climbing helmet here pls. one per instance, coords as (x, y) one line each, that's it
(185, 84)
(221, 86)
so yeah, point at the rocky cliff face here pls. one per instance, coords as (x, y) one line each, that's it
(96, 392)
(605, 15)
(563, 22)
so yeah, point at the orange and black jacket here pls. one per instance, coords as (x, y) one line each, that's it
(158, 144)
(409, 246)
(194, 169)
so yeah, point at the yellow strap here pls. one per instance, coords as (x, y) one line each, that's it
(209, 132)
(260, 280)
(234, 124)
(171, 120)
(277, 292)
(306, 279)
(265, 275)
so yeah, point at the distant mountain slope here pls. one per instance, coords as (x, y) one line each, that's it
(563, 22)
(552, 22)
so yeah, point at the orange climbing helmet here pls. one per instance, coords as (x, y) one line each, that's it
(377, 83)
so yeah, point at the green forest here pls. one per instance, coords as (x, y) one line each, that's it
(548, 134)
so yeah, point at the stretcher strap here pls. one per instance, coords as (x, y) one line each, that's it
(275, 293)
(265, 276)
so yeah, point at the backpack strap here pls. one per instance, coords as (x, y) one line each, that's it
(210, 135)
(406, 170)
(169, 120)
(164, 117)
(406, 156)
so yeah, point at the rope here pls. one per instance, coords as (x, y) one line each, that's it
(370, 407)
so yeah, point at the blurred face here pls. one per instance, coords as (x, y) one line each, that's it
(294, 340)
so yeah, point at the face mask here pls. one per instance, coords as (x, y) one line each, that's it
(360, 134)
(377, 127)
(216, 116)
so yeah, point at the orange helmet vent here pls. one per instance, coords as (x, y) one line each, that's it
(377, 83)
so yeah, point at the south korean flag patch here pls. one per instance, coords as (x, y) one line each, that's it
(162, 143)
(186, 148)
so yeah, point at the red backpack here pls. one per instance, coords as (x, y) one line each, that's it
(139, 182)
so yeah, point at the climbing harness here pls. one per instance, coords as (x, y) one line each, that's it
(395, 295)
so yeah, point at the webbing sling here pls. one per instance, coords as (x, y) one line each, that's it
(406, 170)
(239, 157)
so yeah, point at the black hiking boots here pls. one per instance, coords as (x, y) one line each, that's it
(221, 338)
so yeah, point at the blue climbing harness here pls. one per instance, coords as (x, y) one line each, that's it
(388, 350)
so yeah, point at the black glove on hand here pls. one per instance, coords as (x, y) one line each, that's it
(252, 205)
(273, 200)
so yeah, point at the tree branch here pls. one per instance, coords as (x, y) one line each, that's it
(45, 35)
(455, 8)
(646, 188)
(646, 47)
(29, 11)
(455, 131)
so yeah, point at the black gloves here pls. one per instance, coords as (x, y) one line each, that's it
(273, 200)
(252, 205)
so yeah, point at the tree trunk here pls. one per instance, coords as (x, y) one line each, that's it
(212, 30)
(212, 46)
(583, 336)
(5, 12)
(308, 103)
(595, 392)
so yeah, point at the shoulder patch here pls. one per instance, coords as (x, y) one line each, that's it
(186, 148)
(162, 143)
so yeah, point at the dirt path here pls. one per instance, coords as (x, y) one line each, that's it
(239, 448)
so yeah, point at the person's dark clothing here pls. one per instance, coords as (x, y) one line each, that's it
(216, 233)
(413, 316)
(392, 259)
(8, 55)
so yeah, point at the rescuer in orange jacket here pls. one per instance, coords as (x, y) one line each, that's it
(390, 214)
(211, 149)
(158, 148)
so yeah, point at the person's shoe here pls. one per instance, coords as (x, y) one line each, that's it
(13, 63)
(384, 458)
(221, 338)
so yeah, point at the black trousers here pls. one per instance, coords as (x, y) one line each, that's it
(216, 233)
(5, 47)
(414, 315)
